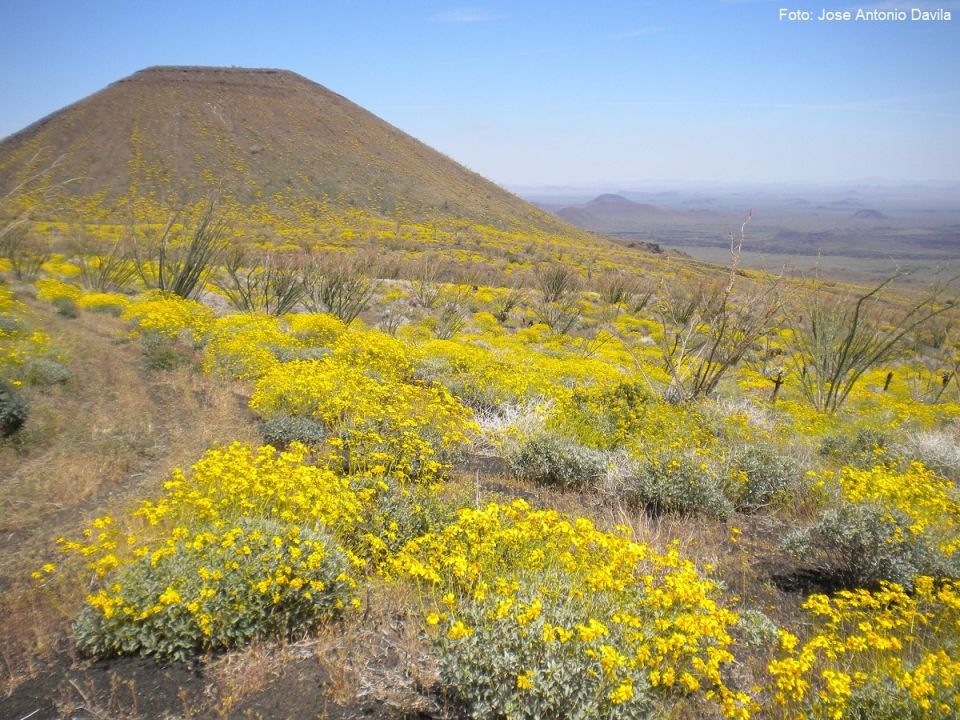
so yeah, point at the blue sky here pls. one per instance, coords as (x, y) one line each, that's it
(613, 94)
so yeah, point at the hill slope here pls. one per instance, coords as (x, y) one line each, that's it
(170, 135)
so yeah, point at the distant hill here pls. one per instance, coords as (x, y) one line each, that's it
(869, 215)
(270, 138)
(611, 213)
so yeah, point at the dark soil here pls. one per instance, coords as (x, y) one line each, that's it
(127, 687)
(137, 687)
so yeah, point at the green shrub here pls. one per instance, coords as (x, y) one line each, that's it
(218, 588)
(860, 544)
(756, 629)
(882, 699)
(481, 397)
(859, 449)
(554, 460)
(607, 417)
(116, 309)
(66, 307)
(10, 325)
(676, 483)
(13, 409)
(400, 513)
(281, 430)
(536, 614)
(163, 353)
(45, 371)
(288, 354)
(761, 476)
(481, 670)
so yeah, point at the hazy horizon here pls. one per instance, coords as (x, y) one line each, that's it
(620, 94)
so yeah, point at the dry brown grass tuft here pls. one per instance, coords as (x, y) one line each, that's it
(382, 654)
(376, 661)
(241, 674)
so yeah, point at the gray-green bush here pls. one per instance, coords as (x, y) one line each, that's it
(860, 544)
(281, 430)
(66, 307)
(242, 604)
(767, 476)
(676, 483)
(553, 460)
(481, 670)
(46, 371)
(13, 409)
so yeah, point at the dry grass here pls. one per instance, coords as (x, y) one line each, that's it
(83, 699)
(378, 658)
(98, 443)
(239, 675)
(382, 655)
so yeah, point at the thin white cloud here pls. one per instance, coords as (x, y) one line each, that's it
(462, 15)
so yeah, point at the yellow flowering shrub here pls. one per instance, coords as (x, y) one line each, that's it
(625, 414)
(15, 347)
(216, 587)
(26, 354)
(50, 289)
(168, 315)
(473, 373)
(881, 654)
(316, 329)
(542, 615)
(931, 502)
(377, 353)
(885, 522)
(237, 480)
(375, 425)
(253, 542)
(245, 346)
(113, 303)
(59, 267)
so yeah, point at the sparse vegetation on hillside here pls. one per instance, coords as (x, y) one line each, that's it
(270, 142)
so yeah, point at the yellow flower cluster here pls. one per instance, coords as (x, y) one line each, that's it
(245, 521)
(50, 289)
(867, 644)
(216, 587)
(59, 267)
(103, 302)
(547, 580)
(315, 329)
(245, 346)
(377, 422)
(376, 353)
(930, 502)
(169, 315)
(18, 342)
(625, 414)
(237, 480)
